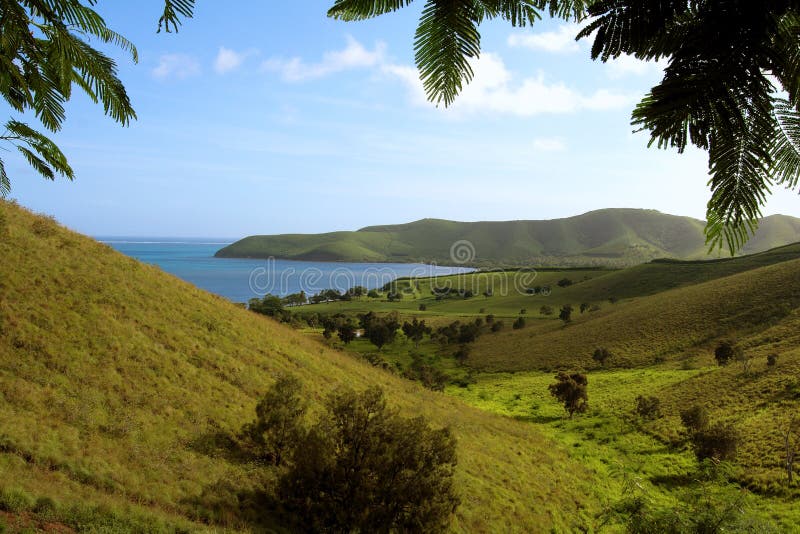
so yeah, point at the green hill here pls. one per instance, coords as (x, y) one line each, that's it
(119, 383)
(604, 237)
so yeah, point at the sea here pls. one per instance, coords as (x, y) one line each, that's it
(242, 279)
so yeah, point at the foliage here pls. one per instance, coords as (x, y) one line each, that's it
(546, 310)
(717, 442)
(772, 359)
(566, 313)
(565, 282)
(648, 407)
(270, 305)
(279, 420)
(346, 333)
(694, 418)
(601, 355)
(725, 352)
(570, 389)
(518, 323)
(416, 330)
(363, 468)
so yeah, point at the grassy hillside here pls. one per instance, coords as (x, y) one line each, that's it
(604, 237)
(117, 382)
(668, 324)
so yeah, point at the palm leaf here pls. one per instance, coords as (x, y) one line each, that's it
(173, 11)
(785, 151)
(349, 10)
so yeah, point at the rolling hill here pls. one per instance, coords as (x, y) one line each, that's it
(616, 237)
(119, 382)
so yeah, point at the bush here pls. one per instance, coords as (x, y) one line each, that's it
(725, 352)
(519, 323)
(373, 294)
(523, 311)
(279, 421)
(546, 310)
(694, 418)
(601, 355)
(497, 326)
(648, 407)
(363, 468)
(564, 282)
(718, 442)
(422, 307)
(772, 360)
(570, 389)
(566, 313)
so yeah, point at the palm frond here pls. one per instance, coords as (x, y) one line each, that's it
(785, 151)
(349, 10)
(174, 10)
(5, 183)
(446, 39)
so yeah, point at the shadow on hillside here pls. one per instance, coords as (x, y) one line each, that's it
(541, 419)
(674, 481)
(225, 504)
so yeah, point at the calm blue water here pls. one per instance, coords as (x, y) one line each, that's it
(241, 279)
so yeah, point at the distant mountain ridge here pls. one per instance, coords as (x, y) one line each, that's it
(614, 236)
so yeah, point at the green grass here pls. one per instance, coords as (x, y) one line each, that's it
(116, 380)
(604, 237)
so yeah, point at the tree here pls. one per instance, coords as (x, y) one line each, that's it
(363, 468)
(44, 55)
(694, 418)
(564, 282)
(373, 294)
(518, 323)
(729, 65)
(718, 442)
(566, 313)
(772, 360)
(416, 330)
(279, 420)
(725, 352)
(497, 326)
(601, 355)
(570, 389)
(584, 306)
(546, 310)
(347, 332)
(381, 334)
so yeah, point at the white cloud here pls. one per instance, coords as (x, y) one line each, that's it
(630, 66)
(228, 60)
(494, 90)
(560, 40)
(549, 144)
(353, 56)
(178, 66)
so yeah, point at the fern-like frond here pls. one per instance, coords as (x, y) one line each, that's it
(349, 10)
(785, 151)
(5, 183)
(446, 39)
(40, 151)
(519, 13)
(174, 10)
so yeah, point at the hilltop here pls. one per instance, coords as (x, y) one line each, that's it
(617, 237)
(119, 382)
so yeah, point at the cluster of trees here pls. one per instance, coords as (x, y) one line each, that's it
(360, 467)
(538, 290)
(717, 441)
(428, 375)
(441, 293)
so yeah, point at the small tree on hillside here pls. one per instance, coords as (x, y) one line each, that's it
(363, 468)
(772, 360)
(381, 334)
(373, 294)
(566, 313)
(725, 352)
(648, 407)
(546, 310)
(694, 418)
(570, 389)
(584, 306)
(347, 332)
(601, 355)
(416, 330)
(717, 442)
(518, 323)
(279, 420)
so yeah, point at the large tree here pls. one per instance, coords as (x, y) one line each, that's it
(44, 54)
(731, 85)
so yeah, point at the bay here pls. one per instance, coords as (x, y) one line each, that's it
(239, 280)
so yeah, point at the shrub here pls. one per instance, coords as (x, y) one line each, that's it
(422, 307)
(718, 442)
(279, 421)
(462, 353)
(489, 319)
(546, 310)
(601, 355)
(497, 326)
(523, 311)
(694, 418)
(365, 469)
(648, 407)
(519, 323)
(772, 360)
(570, 389)
(566, 313)
(373, 294)
(725, 352)
(584, 306)
(564, 282)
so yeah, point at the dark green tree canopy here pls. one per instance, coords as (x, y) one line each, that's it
(731, 85)
(45, 52)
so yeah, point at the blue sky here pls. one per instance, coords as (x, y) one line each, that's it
(264, 117)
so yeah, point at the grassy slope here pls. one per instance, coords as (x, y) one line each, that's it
(621, 236)
(115, 377)
(667, 324)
